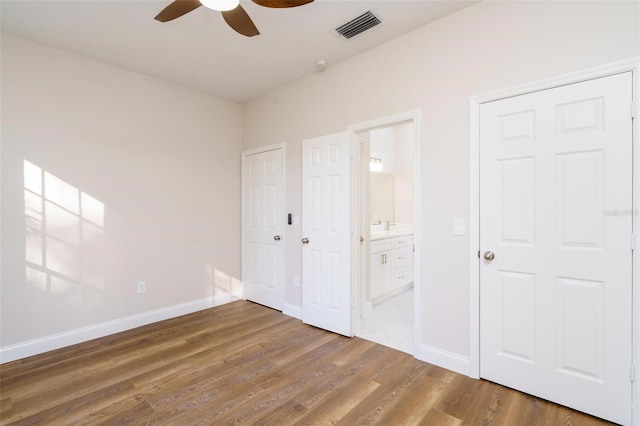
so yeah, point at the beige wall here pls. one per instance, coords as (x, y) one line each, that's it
(404, 174)
(489, 46)
(162, 167)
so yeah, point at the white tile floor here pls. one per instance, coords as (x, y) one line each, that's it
(391, 323)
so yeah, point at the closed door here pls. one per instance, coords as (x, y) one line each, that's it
(263, 223)
(555, 238)
(326, 230)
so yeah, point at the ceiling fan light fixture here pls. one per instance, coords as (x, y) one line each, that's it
(220, 5)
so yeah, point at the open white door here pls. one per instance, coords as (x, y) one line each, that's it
(326, 216)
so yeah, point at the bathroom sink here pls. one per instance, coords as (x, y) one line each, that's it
(377, 235)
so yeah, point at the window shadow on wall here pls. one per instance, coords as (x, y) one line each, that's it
(220, 287)
(64, 248)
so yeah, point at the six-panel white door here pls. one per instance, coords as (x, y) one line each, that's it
(263, 224)
(326, 220)
(555, 211)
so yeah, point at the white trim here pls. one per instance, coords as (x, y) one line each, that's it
(474, 239)
(415, 117)
(262, 149)
(83, 334)
(291, 310)
(444, 359)
(632, 65)
(283, 147)
(635, 68)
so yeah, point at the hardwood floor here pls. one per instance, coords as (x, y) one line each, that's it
(244, 363)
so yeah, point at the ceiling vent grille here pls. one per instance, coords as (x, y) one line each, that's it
(358, 25)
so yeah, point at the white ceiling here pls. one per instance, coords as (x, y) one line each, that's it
(200, 51)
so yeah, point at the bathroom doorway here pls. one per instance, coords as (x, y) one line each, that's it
(387, 290)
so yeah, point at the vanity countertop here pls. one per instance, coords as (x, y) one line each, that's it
(381, 235)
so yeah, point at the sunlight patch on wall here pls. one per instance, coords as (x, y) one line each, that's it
(220, 287)
(64, 248)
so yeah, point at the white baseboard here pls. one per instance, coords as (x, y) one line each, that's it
(292, 310)
(79, 335)
(444, 359)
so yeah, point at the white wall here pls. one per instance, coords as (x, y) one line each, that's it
(404, 174)
(381, 146)
(163, 163)
(488, 46)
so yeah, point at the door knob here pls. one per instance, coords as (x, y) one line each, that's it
(305, 241)
(489, 255)
(277, 237)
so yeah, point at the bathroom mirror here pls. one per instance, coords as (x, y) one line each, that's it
(381, 197)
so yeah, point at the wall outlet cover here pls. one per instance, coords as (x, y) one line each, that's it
(458, 226)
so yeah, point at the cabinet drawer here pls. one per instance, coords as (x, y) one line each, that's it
(399, 242)
(399, 257)
(381, 245)
(399, 277)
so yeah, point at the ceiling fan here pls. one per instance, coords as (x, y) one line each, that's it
(232, 12)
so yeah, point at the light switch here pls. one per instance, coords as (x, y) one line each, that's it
(458, 226)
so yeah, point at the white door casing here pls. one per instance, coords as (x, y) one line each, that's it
(326, 222)
(362, 255)
(556, 302)
(263, 226)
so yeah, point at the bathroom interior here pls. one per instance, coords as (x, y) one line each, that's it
(387, 293)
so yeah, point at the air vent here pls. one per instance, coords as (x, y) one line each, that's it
(358, 25)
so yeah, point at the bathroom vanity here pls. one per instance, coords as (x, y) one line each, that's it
(391, 264)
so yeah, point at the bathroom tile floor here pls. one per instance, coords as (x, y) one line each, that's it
(391, 323)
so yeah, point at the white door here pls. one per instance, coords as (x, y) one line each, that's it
(326, 220)
(555, 211)
(263, 223)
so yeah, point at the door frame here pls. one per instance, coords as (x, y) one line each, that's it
(632, 65)
(357, 256)
(283, 148)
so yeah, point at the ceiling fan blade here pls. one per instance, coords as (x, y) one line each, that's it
(239, 20)
(282, 3)
(177, 9)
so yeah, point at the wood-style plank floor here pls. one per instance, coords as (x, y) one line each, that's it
(242, 363)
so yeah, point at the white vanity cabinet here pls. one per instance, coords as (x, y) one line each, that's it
(391, 260)
(381, 266)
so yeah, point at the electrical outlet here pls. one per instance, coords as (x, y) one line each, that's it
(142, 287)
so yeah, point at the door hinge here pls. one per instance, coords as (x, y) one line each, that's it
(633, 241)
(633, 109)
(478, 254)
(633, 373)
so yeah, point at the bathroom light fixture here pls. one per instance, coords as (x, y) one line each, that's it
(375, 164)
(220, 5)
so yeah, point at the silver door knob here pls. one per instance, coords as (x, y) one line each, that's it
(305, 241)
(488, 255)
(277, 237)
